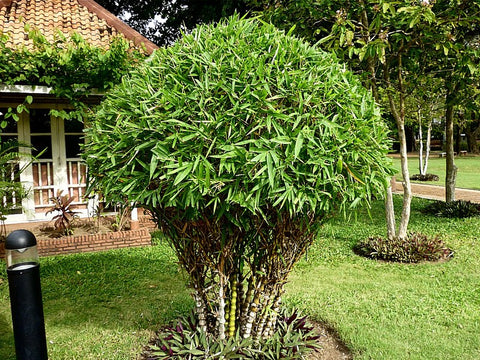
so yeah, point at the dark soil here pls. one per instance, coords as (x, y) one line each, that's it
(79, 227)
(332, 348)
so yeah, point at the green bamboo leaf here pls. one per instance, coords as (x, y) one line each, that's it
(183, 174)
(153, 166)
(271, 172)
(207, 175)
(298, 144)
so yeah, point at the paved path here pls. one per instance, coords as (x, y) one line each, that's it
(435, 192)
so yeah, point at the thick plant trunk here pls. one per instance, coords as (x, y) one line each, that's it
(221, 268)
(221, 306)
(451, 169)
(200, 310)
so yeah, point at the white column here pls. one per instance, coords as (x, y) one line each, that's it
(26, 177)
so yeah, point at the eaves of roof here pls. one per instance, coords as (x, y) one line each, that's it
(85, 17)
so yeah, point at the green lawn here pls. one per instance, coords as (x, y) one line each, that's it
(107, 305)
(468, 176)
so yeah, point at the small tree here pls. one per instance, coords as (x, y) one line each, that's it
(241, 140)
(424, 104)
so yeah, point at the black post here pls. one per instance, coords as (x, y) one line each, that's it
(23, 271)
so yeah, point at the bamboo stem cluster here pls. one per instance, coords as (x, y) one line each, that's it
(238, 274)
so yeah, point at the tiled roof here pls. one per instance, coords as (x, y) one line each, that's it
(94, 23)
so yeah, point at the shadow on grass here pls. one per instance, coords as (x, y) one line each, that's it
(104, 302)
(129, 289)
(7, 345)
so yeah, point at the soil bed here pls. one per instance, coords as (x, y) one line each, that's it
(80, 227)
(332, 348)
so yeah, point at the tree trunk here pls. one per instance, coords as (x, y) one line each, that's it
(390, 211)
(472, 131)
(420, 143)
(400, 121)
(451, 169)
(399, 116)
(423, 160)
(427, 151)
(407, 189)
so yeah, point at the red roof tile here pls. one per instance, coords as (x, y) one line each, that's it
(96, 25)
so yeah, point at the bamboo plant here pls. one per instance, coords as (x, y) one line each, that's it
(241, 140)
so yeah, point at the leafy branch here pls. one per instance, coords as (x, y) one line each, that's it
(72, 67)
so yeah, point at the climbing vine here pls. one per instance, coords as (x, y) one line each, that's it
(71, 67)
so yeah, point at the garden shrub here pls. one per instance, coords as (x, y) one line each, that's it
(453, 209)
(426, 177)
(293, 340)
(415, 248)
(241, 140)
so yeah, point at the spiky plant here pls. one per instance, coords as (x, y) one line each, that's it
(241, 140)
(63, 213)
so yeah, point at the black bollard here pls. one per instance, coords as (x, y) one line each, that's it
(23, 269)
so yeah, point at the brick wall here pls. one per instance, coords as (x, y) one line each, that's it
(89, 243)
(147, 222)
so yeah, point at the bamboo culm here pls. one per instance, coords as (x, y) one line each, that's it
(233, 307)
(221, 307)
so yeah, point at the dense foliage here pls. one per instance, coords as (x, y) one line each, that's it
(424, 177)
(70, 66)
(240, 140)
(416, 247)
(453, 209)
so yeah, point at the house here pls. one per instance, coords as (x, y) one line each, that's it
(60, 166)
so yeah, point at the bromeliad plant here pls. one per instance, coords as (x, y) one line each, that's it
(241, 140)
(293, 338)
(64, 216)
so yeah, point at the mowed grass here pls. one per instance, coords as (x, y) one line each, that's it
(104, 305)
(394, 311)
(468, 174)
(107, 305)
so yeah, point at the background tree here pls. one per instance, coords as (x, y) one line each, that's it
(386, 38)
(242, 141)
(453, 46)
(161, 21)
(424, 104)
(472, 132)
(391, 43)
